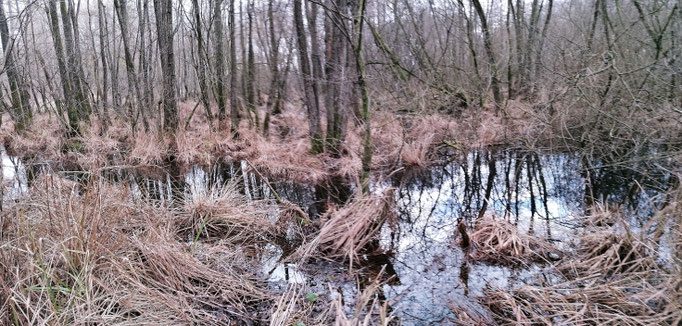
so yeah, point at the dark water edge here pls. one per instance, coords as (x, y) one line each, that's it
(543, 194)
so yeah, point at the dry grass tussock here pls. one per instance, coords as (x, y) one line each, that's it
(96, 253)
(496, 240)
(615, 277)
(226, 214)
(345, 232)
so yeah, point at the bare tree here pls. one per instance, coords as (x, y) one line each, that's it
(19, 97)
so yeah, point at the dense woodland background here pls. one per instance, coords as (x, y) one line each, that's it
(604, 61)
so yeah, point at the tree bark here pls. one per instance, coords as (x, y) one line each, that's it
(163, 11)
(201, 65)
(488, 45)
(308, 82)
(234, 109)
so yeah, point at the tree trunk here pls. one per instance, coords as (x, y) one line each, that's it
(19, 98)
(201, 65)
(133, 83)
(103, 44)
(307, 81)
(234, 109)
(251, 70)
(71, 109)
(274, 70)
(163, 11)
(74, 63)
(358, 21)
(488, 45)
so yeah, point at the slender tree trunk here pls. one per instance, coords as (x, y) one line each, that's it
(308, 81)
(219, 60)
(234, 108)
(143, 17)
(251, 69)
(103, 45)
(201, 65)
(488, 45)
(274, 69)
(20, 102)
(358, 21)
(74, 63)
(71, 109)
(133, 82)
(315, 57)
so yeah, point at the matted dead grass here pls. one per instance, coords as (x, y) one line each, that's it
(97, 253)
(495, 240)
(616, 276)
(346, 231)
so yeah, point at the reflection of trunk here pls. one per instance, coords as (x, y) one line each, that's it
(529, 174)
(464, 276)
(492, 173)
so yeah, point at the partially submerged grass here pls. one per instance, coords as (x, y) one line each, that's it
(347, 231)
(613, 278)
(499, 241)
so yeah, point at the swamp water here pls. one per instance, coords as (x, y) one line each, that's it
(428, 271)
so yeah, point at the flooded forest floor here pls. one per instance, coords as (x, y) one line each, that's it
(479, 220)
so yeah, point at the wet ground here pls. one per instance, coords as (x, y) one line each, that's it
(541, 194)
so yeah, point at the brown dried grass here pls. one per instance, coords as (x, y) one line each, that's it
(95, 253)
(496, 240)
(346, 231)
(613, 278)
(224, 213)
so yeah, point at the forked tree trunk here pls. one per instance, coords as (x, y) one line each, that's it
(488, 45)
(307, 81)
(201, 65)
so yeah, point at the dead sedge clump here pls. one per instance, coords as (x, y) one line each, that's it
(346, 231)
(589, 301)
(613, 278)
(227, 214)
(95, 253)
(499, 241)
